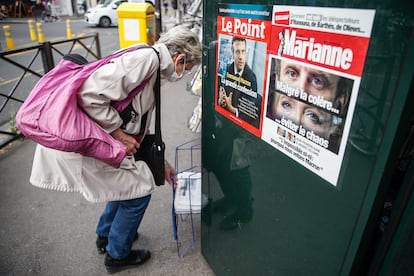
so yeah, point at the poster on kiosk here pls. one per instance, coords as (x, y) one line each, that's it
(306, 95)
(243, 34)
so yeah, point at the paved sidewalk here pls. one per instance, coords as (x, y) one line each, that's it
(52, 233)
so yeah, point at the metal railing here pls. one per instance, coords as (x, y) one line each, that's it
(22, 68)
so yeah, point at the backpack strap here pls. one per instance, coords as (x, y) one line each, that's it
(76, 58)
(121, 105)
(124, 107)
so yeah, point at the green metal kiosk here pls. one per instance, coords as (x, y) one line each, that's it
(307, 137)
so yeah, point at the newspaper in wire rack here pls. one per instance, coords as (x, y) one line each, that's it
(188, 194)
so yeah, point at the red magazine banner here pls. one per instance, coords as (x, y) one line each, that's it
(339, 52)
(258, 30)
(281, 17)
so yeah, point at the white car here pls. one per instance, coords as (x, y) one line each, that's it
(104, 14)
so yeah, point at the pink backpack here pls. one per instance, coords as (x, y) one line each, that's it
(51, 116)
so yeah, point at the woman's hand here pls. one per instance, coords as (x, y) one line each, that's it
(170, 172)
(131, 145)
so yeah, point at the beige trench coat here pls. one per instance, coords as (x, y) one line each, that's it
(95, 180)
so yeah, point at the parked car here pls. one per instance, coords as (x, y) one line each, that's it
(104, 14)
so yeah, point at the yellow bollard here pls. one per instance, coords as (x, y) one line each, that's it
(40, 33)
(9, 39)
(32, 30)
(69, 33)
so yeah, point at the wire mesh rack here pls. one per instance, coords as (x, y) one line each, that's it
(187, 198)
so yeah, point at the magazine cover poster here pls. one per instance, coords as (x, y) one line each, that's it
(316, 58)
(243, 32)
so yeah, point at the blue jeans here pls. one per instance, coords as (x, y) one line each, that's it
(119, 222)
(43, 16)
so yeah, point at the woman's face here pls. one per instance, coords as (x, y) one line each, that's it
(182, 65)
(181, 68)
(310, 117)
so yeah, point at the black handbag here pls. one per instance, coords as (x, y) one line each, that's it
(152, 148)
(152, 152)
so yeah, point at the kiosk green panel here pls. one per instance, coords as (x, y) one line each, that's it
(307, 106)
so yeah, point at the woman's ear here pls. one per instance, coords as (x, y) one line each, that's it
(178, 58)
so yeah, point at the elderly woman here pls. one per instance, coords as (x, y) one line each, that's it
(127, 189)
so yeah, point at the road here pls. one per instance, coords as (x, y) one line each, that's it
(57, 30)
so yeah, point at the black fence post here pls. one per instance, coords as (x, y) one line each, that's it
(47, 56)
(158, 19)
(98, 46)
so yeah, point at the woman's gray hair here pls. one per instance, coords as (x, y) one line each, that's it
(181, 39)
